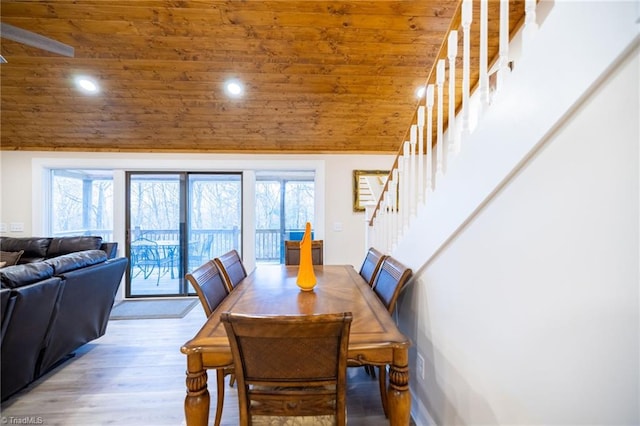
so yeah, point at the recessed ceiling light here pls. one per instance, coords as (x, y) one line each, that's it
(234, 88)
(87, 85)
(420, 92)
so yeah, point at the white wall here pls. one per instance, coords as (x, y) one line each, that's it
(529, 314)
(22, 194)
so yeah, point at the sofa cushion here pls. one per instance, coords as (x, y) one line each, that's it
(65, 245)
(10, 257)
(35, 248)
(20, 275)
(76, 260)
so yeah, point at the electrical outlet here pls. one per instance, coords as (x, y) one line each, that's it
(420, 366)
(16, 227)
(3, 227)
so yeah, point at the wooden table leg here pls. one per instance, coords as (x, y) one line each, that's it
(399, 398)
(196, 403)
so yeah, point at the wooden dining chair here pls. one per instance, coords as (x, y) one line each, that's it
(369, 270)
(387, 285)
(231, 267)
(371, 265)
(209, 285)
(290, 366)
(292, 252)
(211, 290)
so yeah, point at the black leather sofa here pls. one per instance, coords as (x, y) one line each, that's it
(56, 299)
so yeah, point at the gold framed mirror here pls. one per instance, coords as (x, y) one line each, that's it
(367, 187)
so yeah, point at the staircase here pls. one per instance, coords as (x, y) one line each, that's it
(448, 168)
(522, 230)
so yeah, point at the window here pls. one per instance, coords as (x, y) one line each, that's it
(81, 203)
(285, 202)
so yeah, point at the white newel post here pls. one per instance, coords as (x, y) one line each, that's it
(421, 154)
(393, 202)
(384, 219)
(466, 63)
(452, 52)
(369, 239)
(429, 146)
(439, 138)
(380, 224)
(414, 169)
(391, 218)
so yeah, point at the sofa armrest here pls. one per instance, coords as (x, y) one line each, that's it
(111, 249)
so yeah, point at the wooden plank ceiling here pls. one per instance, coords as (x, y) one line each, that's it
(319, 76)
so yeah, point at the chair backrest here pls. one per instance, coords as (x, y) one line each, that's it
(145, 248)
(390, 280)
(290, 365)
(209, 285)
(231, 267)
(292, 252)
(371, 265)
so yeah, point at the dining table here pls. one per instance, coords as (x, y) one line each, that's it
(374, 338)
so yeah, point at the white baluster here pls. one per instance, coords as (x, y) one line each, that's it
(404, 186)
(429, 146)
(393, 202)
(439, 138)
(381, 222)
(413, 168)
(420, 154)
(452, 50)
(484, 74)
(503, 49)
(467, 11)
(384, 234)
(392, 214)
(530, 21)
(399, 199)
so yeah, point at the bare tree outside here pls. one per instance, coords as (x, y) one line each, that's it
(81, 203)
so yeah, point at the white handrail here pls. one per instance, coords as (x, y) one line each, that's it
(416, 172)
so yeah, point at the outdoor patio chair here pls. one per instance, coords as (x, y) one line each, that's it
(147, 257)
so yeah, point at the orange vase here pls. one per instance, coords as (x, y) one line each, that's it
(306, 278)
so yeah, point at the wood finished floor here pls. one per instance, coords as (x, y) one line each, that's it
(135, 375)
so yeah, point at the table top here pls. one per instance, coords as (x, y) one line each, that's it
(272, 290)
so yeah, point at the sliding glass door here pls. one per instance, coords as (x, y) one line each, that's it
(214, 216)
(176, 222)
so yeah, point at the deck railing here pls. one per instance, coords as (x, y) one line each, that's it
(451, 110)
(269, 243)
